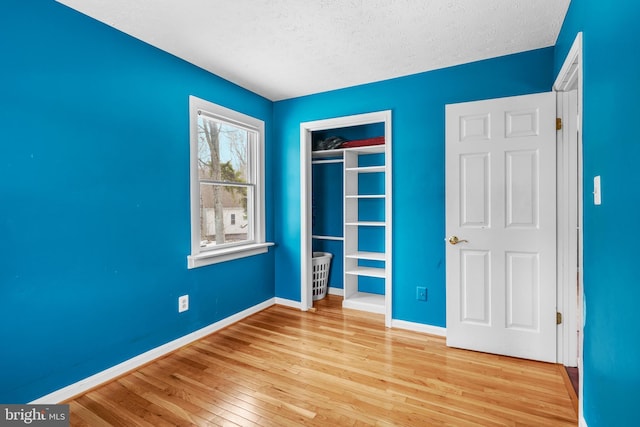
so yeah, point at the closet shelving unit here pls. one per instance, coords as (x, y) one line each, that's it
(361, 260)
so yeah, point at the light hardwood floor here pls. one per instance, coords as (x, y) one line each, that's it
(331, 367)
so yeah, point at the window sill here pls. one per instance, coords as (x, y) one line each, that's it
(228, 254)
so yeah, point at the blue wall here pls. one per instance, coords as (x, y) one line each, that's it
(611, 149)
(418, 166)
(94, 200)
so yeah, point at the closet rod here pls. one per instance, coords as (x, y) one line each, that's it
(321, 162)
(327, 238)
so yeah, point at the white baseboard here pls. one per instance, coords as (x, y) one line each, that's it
(583, 422)
(335, 291)
(288, 303)
(419, 327)
(109, 374)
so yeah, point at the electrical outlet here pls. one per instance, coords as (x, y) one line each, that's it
(421, 293)
(183, 303)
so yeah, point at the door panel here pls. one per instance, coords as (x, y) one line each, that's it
(522, 192)
(474, 205)
(476, 287)
(500, 191)
(523, 288)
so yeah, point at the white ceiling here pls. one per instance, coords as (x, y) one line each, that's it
(287, 48)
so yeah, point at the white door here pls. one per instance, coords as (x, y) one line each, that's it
(501, 226)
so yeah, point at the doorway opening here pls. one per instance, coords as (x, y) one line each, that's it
(357, 172)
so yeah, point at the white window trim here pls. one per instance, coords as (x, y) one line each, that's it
(227, 254)
(199, 257)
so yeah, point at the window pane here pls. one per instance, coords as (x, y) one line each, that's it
(223, 151)
(224, 217)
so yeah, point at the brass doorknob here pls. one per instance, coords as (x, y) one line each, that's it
(454, 240)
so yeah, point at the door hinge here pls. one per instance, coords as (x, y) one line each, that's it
(558, 123)
(558, 318)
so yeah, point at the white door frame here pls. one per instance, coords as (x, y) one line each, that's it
(306, 129)
(568, 84)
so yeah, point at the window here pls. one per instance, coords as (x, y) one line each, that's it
(227, 192)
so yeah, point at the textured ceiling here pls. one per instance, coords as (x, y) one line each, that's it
(287, 48)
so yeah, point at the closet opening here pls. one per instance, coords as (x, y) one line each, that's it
(346, 208)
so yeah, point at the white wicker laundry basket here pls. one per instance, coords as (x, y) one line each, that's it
(320, 263)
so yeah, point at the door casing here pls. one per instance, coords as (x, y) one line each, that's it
(569, 83)
(306, 129)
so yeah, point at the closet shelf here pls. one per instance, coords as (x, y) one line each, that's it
(372, 303)
(366, 224)
(368, 149)
(367, 169)
(367, 272)
(372, 256)
(365, 196)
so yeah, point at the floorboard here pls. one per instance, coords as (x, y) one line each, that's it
(283, 367)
